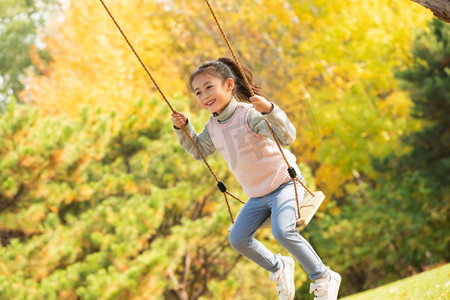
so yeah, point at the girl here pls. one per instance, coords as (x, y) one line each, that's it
(237, 130)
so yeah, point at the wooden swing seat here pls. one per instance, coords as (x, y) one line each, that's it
(308, 208)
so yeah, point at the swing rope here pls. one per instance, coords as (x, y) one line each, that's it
(220, 184)
(291, 170)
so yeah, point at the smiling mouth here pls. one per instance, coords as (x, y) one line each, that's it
(210, 102)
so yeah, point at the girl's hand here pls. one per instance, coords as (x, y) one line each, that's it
(179, 120)
(261, 104)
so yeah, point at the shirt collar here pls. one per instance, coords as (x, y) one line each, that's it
(227, 112)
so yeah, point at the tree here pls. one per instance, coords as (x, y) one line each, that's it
(428, 80)
(104, 207)
(20, 47)
(398, 227)
(93, 66)
(327, 77)
(440, 8)
(122, 211)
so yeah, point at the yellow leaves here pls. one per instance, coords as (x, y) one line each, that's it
(331, 181)
(110, 217)
(59, 156)
(148, 289)
(40, 191)
(48, 175)
(37, 60)
(53, 209)
(86, 191)
(336, 50)
(121, 265)
(36, 213)
(131, 187)
(93, 66)
(67, 294)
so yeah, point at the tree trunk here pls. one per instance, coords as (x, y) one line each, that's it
(440, 8)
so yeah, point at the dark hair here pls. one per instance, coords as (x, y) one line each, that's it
(225, 68)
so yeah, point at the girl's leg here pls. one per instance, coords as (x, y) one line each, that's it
(252, 215)
(284, 214)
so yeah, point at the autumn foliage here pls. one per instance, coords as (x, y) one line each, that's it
(99, 201)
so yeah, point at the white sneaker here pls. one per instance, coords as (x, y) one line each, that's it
(326, 288)
(284, 278)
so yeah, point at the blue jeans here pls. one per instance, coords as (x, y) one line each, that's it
(281, 205)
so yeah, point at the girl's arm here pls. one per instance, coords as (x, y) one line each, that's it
(202, 140)
(281, 125)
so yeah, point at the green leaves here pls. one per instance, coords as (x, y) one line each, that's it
(19, 23)
(105, 208)
(98, 200)
(395, 226)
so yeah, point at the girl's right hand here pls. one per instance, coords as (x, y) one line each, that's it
(179, 120)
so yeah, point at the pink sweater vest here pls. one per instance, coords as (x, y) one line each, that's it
(254, 159)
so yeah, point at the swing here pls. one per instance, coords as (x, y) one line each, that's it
(311, 201)
(310, 205)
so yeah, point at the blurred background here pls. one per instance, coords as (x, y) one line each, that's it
(99, 201)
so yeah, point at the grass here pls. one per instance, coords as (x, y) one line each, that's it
(430, 285)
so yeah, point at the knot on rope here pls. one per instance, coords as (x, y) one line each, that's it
(292, 172)
(222, 187)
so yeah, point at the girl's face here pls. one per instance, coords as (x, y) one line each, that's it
(213, 93)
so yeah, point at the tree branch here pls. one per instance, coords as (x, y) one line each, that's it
(440, 8)
(5, 203)
(179, 289)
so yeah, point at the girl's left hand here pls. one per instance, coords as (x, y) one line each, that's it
(261, 104)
